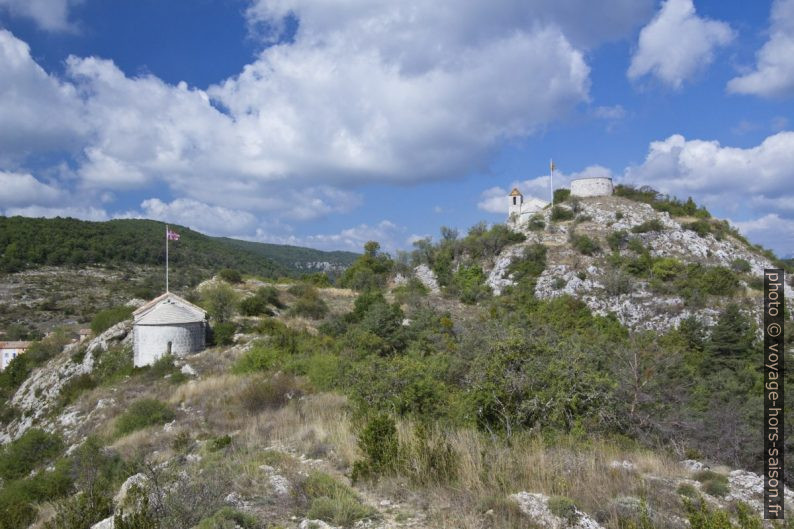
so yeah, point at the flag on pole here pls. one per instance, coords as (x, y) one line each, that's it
(172, 235)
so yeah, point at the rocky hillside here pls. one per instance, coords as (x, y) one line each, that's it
(225, 447)
(417, 398)
(651, 270)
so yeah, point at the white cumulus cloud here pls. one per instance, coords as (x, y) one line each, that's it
(19, 189)
(677, 43)
(774, 71)
(758, 177)
(52, 15)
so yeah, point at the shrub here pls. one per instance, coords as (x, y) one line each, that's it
(741, 265)
(309, 304)
(143, 413)
(584, 244)
(263, 394)
(223, 333)
(616, 283)
(716, 488)
(220, 301)
(74, 386)
(258, 358)
(666, 268)
(318, 279)
(219, 443)
(34, 448)
(81, 511)
(701, 227)
(648, 225)
(332, 501)
(230, 276)
(617, 240)
(536, 223)
(107, 318)
(531, 264)
(560, 214)
(378, 440)
(561, 195)
(469, 283)
(229, 518)
(564, 508)
(254, 306)
(114, 364)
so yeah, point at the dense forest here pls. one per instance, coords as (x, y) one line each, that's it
(27, 242)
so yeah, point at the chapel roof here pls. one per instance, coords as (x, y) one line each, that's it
(168, 309)
(515, 193)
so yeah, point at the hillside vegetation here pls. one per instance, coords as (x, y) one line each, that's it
(414, 397)
(27, 242)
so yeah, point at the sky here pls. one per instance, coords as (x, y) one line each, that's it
(328, 124)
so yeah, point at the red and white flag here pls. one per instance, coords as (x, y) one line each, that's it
(172, 235)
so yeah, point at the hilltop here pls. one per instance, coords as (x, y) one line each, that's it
(467, 385)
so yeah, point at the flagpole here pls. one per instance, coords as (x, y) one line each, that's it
(551, 181)
(166, 258)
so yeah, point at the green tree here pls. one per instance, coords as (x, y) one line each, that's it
(220, 300)
(733, 335)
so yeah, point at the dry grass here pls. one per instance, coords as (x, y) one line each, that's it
(489, 471)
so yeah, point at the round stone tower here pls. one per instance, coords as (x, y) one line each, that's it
(600, 186)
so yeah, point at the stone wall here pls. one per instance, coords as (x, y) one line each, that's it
(591, 187)
(151, 341)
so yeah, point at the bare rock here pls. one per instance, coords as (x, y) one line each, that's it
(107, 523)
(427, 277)
(314, 524)
(536, 507)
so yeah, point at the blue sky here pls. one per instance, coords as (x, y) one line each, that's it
(329, 124)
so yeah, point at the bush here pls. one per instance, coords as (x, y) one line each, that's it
(230, 276)
(531, 264)
(107, 318)
(114, 364)
(332, 501)
(378, 440)
(309, 304)
(560, 214)
(666, 268)
(258, 358)
(536, 223)
(76, 385)
(141, 414)
(616, 283)
(741, 265)
(617, 240)
(254, 306)
(701, 227)
(229, 518)
(584, 244)
(220, 301)
(564, 508)
(219, 443)
(469, 283)
(223, 333)
(34, 448)
(648, 225)
(561, 195)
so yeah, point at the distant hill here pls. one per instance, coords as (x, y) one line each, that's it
(30, 243)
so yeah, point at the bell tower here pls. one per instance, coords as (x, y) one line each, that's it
(516, 204)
